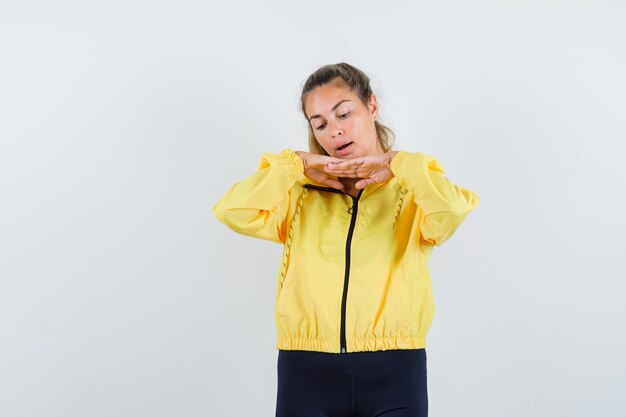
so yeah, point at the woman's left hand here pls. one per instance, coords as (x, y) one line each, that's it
(373, 169)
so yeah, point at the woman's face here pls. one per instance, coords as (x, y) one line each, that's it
(342, 125)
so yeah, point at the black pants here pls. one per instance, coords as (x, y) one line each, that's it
(389, 383)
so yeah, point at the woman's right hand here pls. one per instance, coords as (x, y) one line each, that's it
(314, 168)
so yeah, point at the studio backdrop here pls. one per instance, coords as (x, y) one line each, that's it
(122, 123)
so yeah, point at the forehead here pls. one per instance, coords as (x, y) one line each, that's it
(322, 99)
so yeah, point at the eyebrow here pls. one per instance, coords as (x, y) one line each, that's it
(334, 107)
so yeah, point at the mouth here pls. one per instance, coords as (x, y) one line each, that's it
(344, 149)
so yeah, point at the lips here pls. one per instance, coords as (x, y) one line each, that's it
(343, 146)
(344, 149)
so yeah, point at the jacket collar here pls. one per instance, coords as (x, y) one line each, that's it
(321, 187)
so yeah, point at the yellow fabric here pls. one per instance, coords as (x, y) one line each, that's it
(389, 302)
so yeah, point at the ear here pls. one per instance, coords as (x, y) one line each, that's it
(373, 106)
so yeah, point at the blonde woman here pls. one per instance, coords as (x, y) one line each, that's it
(358, 222)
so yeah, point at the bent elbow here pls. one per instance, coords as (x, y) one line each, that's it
(437, 228)
(230, 217)
(219, 210)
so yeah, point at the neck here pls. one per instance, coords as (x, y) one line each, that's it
(348, 184)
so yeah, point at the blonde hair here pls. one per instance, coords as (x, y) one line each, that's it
(359, 84)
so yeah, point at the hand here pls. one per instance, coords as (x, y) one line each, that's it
(373, 169)
(314, 168)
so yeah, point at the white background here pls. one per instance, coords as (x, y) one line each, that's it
(123, 122)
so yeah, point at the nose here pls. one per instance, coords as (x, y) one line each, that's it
(336, 130)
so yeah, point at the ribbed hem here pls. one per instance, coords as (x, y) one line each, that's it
(353, 345)
(330, 346)
(397, 161)
(386, 343)
(295, 163)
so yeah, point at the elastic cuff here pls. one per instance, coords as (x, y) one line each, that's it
(397, 161)
(295, 162)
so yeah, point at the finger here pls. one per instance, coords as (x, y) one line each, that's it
(382, 176)
(349, 163)
(334, 183)
(319, 176)
(323, 160)
(350, 173)
(334, 160)
(364, 183)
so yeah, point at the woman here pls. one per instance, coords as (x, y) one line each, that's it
(358, 223)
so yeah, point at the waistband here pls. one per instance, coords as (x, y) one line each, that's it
(351, 362)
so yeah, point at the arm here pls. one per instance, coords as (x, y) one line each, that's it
(259, 205)
(444, 204)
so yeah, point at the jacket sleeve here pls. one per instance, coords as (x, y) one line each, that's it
(259, 205)
(444, 205)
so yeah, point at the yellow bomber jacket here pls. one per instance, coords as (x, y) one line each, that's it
(354, 271)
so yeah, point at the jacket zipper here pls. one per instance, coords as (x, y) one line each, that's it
(353, 211)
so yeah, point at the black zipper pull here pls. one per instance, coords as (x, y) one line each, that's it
(354, 203)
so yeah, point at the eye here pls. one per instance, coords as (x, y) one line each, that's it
(343, 116)
(320, 127)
